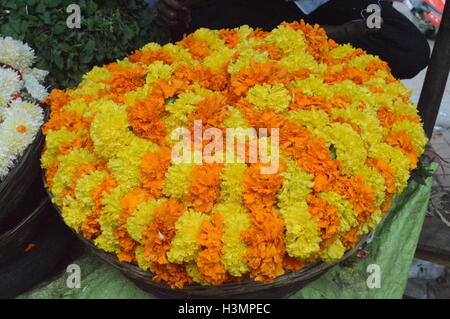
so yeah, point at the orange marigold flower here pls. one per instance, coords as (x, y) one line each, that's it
(209, 263)
(265, 237)
(154, 166)
(258, 73)
(273, 51)
(125, 80)
(388, 119)
(91, 227)
(230, 36)
(158, 237)
(198, 48)
(150, 56)
(204, 191)
(129, 204)
(211, 111)
(67, 119)
(145, 119)
(401, 140)
(327, 219)
(57, 99)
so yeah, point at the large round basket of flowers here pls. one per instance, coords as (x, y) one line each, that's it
(21, 117)
(141, 163)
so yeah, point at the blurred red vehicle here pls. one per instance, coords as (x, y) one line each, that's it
(428, 15)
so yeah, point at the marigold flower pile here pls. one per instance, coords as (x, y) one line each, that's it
(349, 138)
(20, 91)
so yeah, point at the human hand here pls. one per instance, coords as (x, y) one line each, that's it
(174, 14)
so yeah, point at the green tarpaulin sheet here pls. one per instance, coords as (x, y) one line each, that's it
(391, 249)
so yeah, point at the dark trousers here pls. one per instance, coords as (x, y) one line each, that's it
(398, 42)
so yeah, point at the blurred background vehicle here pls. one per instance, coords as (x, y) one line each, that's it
(427, 15)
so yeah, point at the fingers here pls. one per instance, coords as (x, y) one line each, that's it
(175, 5)
(172, 14)
(165, 22)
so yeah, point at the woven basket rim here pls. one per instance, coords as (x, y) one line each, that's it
(34, 214)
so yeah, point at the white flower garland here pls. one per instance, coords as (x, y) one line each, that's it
(20, 92)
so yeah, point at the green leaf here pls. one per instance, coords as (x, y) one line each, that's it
(15, 25)
(90, 47)
(6, 30)
(91, 7)
(59, 61)
(85, 59)
(59, 28)
(40, 7)
(10, 5)
(47, 19)
(333, 151)
(53, 3)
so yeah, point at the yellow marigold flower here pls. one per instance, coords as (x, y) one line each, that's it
(97, 74)
(313, 120)
(76, 209)
(178, 179)
(158, 71)
(287, 39)
(266, 96)
(211, 37)
(180, 54)
(218, 59)
(109, 220)
(132, 97)
(110, 130)
(142, 217)
(372, 223)
(374, 179)
(54, 140)
(126, 166)
(342, 51)
(302, 236)
(378, 82)
(333, 252)
(183, 248)
(235, 119)
(349, 147)
(151, 46)
(140, 259)
(415, 130)
(362, 61)
(232, 179)
(355, 92)
(78, 106)
(347, 215)
(246, 57)
(401, 108)
(313, 86)
(125, 63)
(67, 169)
(194, 273)
(396, 160)
(235, 220)
(296, 61)
(367, 121)
(178, 110)
(397, 88)
(243, 32)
